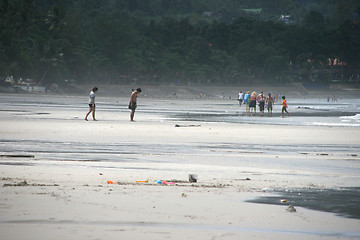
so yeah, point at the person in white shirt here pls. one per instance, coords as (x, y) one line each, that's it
(92, 104)
(241, 97)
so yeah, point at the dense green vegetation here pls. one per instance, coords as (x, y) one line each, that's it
(168, 41)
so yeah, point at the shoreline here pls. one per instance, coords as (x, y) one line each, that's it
(194, 91)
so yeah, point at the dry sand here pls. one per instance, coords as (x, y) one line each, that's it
(67, 199)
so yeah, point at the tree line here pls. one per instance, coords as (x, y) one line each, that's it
(121, 41)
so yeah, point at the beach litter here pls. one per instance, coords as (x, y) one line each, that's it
(190, 125)
(169, 183)
(112, 182)
(290, 208)
(165, 182)
(193, 177)
(242, 179)
(146, 181)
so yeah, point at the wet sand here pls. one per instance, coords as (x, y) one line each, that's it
(55, 168)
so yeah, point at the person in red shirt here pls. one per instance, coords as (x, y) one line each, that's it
(284, 106)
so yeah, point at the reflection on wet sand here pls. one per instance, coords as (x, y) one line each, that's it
(343, 201)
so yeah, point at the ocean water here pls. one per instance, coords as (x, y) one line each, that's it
(305, 112)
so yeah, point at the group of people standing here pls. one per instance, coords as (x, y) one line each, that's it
(132, 103)
(250, 101)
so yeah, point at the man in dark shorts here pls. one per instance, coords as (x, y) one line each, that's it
(133, 104)
(270, 101)
(284, 106)
(252, 104)
(261, 99)
(92, 104)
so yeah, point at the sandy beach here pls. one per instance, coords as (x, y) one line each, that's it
(65, 178)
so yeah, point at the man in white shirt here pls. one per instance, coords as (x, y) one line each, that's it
(92, 104)
(241, 98)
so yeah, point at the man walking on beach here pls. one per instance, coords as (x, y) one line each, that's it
(241, 97)
(92, 104)
(133, 104)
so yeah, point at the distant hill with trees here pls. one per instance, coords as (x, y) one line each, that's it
(180, 41)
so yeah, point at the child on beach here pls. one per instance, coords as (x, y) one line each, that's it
(92, 104)
(284, 106)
